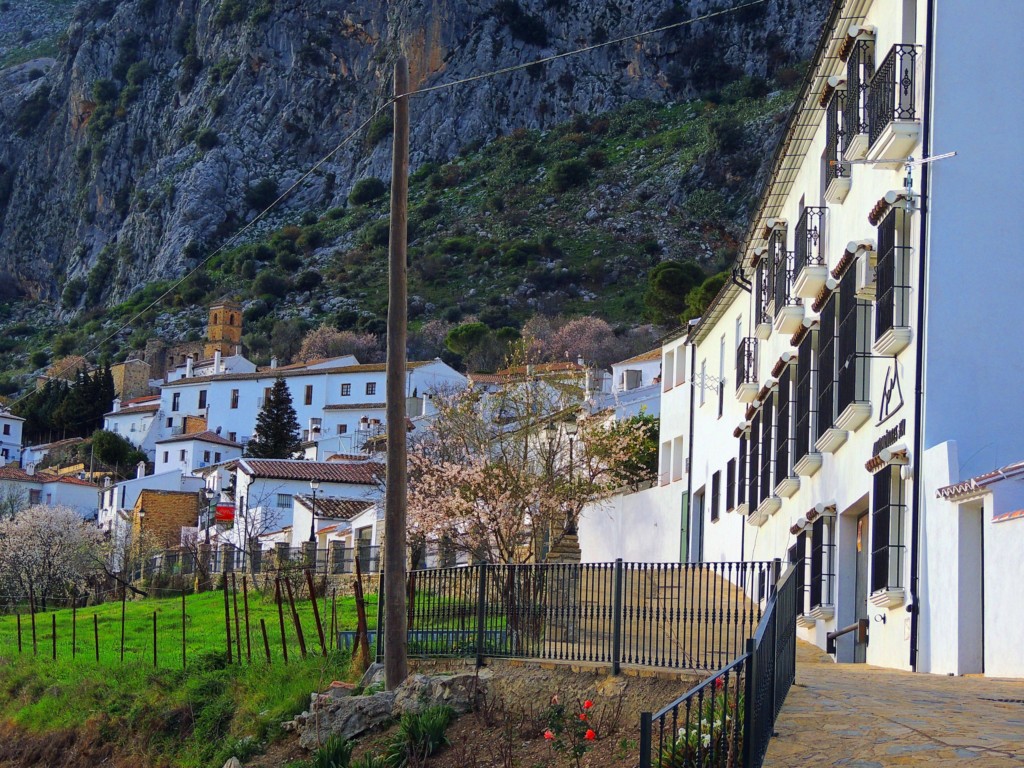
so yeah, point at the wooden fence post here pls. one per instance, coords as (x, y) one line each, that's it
(316, 613)
(280, 617)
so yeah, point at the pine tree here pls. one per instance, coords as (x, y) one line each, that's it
(277, 434)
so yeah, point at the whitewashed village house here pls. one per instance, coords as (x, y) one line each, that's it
(834, 403)
(10, 437)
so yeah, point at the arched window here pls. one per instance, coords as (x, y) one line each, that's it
(216, 319)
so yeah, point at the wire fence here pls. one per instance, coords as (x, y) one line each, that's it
(272, 621)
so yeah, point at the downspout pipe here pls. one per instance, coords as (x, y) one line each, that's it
(922, 306)
(691, 528)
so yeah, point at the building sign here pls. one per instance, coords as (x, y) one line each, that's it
(892, 395)
(225, 513)
(889, 437)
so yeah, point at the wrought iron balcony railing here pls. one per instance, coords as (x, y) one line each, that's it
(746, 362)
(835, 134)
(858, 75)
(809, 248)
(891, 95)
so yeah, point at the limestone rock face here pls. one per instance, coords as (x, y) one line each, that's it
(421, 691)
(131, 152)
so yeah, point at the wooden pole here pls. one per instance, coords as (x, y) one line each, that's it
(32, 611)
(266, 640)
(227, 617)
(154, 639)
(280, 618)
(124, 597)
(53, 634)
(238, 629)
(396, 492)
(362, 644)
(245, 602)
(295, 618)
(96, 634)
(74, 625)
(316, 614)
(334, 619)
(19, 633)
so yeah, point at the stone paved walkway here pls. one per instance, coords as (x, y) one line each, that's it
(858, 716)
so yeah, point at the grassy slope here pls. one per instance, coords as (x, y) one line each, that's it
(196, 717)
(482, 226)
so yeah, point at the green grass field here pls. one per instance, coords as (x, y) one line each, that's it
(199, 715)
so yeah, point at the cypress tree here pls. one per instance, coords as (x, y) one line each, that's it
(277, 434)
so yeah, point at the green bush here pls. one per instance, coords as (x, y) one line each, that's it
(73, 293)
(380, 128)
(230, 12)
(367, 190)
(567, 174)
(271, 283)
(104, 91)
(39, 358)
(261, 194)
(207, 139)
(335, 753)
(308, 280)
(419, 736)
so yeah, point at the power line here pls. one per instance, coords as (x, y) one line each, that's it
(418, 92)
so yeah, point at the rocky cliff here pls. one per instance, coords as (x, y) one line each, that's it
(145, 140)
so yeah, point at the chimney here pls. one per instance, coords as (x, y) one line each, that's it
(216, 362)
(580, 361)
(30, 468)
(117, 404)
(188, 367)
(273, 363)
(140, 470)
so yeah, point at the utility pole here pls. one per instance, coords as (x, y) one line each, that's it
(396, 490)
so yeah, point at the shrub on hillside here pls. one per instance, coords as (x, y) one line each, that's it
(367, 190)
(261, 194)
(567, 174)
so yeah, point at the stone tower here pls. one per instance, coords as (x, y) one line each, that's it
(224, 330)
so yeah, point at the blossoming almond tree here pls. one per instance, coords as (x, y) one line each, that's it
(493, 474)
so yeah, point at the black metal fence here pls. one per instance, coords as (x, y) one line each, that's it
(227, 559)
(727, 720)
(682, 616)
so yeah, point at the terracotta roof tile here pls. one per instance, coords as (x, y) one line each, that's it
(270, 374)
(978, 483)
(206, 437)
(19, 475)
(331, 508)
(366, 473)
(354, 406)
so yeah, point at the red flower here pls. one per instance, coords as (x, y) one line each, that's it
(549, 735)
(589, 735)
(588, 704)
(719, 684)
(583, 715)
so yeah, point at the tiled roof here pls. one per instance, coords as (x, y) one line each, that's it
(654, 354)
(1016, 514)
(140, 400)
(334, 509)
(270, 374)
(147, 408)
(354, 406)
(975, 484)
(58, 443)
(9, 415)
(347, 457)
(366, 473)
(19, 475)
(205, 437)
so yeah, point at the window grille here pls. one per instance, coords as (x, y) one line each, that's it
(741, 474)
(822, 562)
(730, 485)
(859, 69)
(853, 338)
(804, 436)
(892, 273)
(888, 507)
(755, 440)
(835, 168)
(826, 365)
(716, 484)
(767, 458)
(783, 433)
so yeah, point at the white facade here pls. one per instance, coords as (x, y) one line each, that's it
(137, 421)
(25, 487)
(189, 453)
(121, 497)
(231, 402)
(640, 527)
(10, 437)
(862, 360)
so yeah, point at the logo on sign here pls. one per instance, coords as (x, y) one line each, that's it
(892, 395)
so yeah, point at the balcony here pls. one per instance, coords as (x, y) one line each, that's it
(855, 112)
(746, 370)
(893, 125)
(809, 262)
(789, 309)
(837, 172)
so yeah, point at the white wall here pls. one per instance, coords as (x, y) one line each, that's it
(636, 527)
(1004, 574)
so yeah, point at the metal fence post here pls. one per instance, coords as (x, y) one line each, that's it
(481, 614)
(380, 618)
(777, 571)
(748, 704)
(645, 739)
(617, 623)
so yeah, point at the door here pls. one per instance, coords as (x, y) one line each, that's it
(684, 529)
(861, 598)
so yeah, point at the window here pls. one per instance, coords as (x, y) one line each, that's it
(892, 273)
(206, 456)
(233, 437)
(834, 135)
(170, 422)
(234, 398)
(5, 453)
(741, 475)
(888, 504)
(754, 466)
(216, 457)
(764, 288)
(853, 338)
(703, 378)
(804, 435)
(371, 388)
(167, 457)
(783, 433)
(730, 485)
(202, 398)
(798, 558)
(822, 554)
(284, 500)
(182, 454)
(826, 366)
(766, 482)
(116, 429)
(309, 394)
(668, 371)
(892, 93)
(346, 390)
(34, 496)
(716, 488)
(859, 69)
(7, 429)
(342, 429)
(175, 401)
(721, 375)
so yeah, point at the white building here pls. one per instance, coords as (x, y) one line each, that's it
(137, 421)
(264, 491)
(320, 391)
(860, 360)
(34, 454)
(23, 487)
(635, 387)
(218, 365)
(118, 500)
(188, 453)
(337, 519)
(10, 437)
